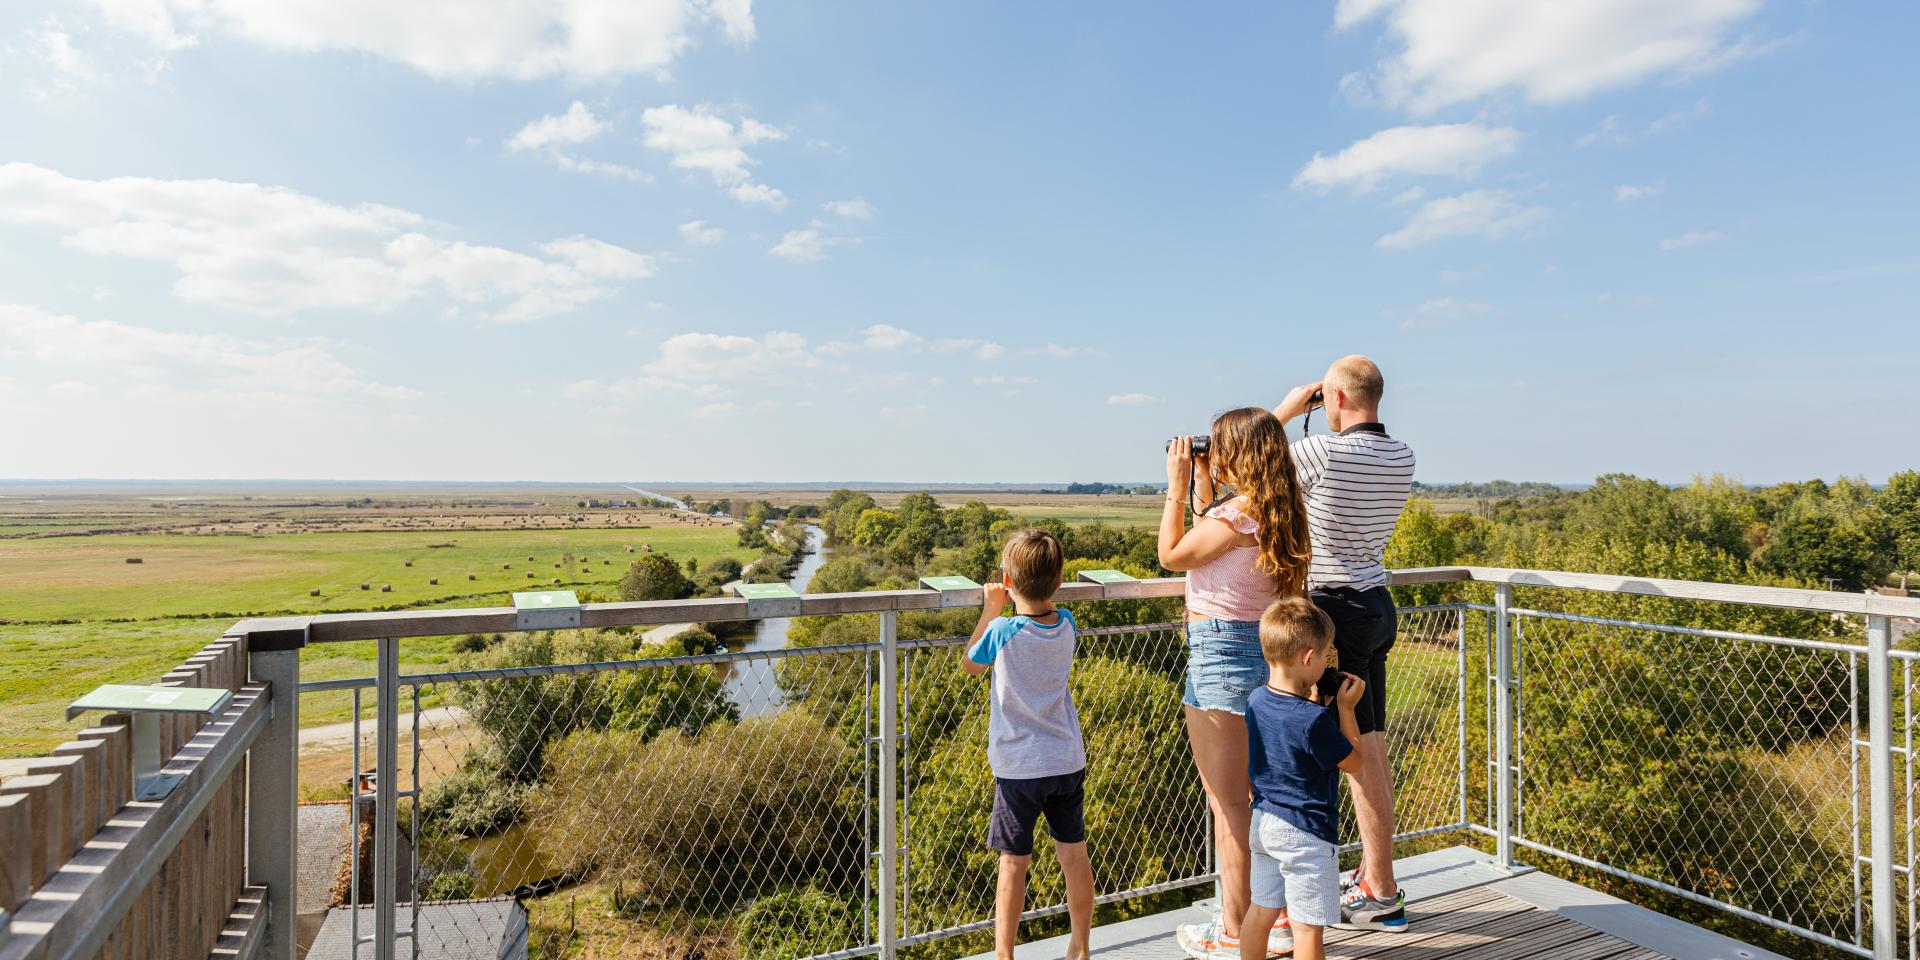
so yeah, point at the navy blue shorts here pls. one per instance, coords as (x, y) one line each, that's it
(1018, 804)
(1365, 624)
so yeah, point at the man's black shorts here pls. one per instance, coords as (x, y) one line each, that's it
(1017, 804)
(1364, 625)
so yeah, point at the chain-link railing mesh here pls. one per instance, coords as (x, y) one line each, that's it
(1724, 767)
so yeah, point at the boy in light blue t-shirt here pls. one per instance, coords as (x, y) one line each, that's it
(1033, 735)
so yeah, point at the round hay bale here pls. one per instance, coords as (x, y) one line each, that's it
(606, 563)
(314, 592)
(506, 566)
(472, 577)
(433, 581)
(366, 586)
(409, 563)
(386, 588)
(529, 558)
(556, 581)
(529, 574)
(135, 560)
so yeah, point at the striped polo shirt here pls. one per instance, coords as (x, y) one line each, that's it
(1355, 484)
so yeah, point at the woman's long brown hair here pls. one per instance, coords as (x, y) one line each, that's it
(1250, 452)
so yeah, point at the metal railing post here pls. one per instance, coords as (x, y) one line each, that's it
(889, 756)
(273, 787)
(386, 819)
(1881, 826)
(1503, 723)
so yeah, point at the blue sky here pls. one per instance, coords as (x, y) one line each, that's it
(707, 240)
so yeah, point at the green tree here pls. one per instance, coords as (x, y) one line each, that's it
(875, 528)
(1900, 501)
(654, 577)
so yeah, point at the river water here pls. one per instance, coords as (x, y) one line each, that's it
(754, 685)
(506, 860)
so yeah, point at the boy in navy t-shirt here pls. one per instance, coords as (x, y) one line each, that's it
(1296, 749)
(1033, 735)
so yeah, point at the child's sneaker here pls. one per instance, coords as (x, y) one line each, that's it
(1209, 941)
(1359, 910)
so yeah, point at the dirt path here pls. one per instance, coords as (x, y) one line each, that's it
(339, 736)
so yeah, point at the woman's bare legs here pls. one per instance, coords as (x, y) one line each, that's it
(1219, 742)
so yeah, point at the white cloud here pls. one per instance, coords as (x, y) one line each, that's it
(576, 126)
(855, 209)
(697, 232)
(713, 357)
(1482, 213)
(470, 40)
(883, 336)
(1001, 379)
(120, 353)
(802, 246)
(1130, 399)
(1407, 196)
(1455, 51)
(1453, 149)
(981, 349)
(551, 134)
(1691, 238)
(1627, 192)
(698, 139)
(273, 251)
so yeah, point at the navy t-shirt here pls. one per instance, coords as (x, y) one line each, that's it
(1294, 749)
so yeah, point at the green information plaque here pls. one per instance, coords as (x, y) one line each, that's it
(1105, 576)
(120, 698)
(766, 600)
(546, 610)
(944, 584)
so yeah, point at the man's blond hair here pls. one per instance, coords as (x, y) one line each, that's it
(1292, 625)
(1359, 379)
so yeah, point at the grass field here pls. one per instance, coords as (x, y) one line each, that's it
(88, 578)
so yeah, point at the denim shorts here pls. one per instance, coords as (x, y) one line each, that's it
(1294, 869)
(1223, 664)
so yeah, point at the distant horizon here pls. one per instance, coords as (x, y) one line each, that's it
(1016, 486)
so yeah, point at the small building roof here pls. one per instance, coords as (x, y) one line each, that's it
(490, 929)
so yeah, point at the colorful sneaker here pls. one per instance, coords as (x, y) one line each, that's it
(1209, 941)
(1360, 911)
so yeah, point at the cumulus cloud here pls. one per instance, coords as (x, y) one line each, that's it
(550, 135)
(1691, 238)
(802, 246)
(883, 336)
(272, 251)
(855, 209)
(1455, 51)
(1478, 213)
(713, 357)
(697, 232)
(1452, 149)
(473, 40)
(1440, 311)
(106, 351)
(1130, 399)
(699, 139)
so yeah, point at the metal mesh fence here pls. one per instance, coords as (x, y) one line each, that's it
(1717, 767)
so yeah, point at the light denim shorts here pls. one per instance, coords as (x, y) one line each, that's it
(1294, 869)
(1223, 664)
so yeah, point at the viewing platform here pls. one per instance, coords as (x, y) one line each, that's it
(1732, 756)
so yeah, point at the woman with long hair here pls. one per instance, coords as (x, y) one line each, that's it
(1244, 550)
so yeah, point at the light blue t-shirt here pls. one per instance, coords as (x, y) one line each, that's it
(1033, 730)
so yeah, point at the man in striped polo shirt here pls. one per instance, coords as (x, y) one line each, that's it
(1355, 483)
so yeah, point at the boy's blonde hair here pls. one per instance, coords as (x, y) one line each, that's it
(1291, 625)
(1033, 560)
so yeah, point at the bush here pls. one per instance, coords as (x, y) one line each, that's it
(796, 923)
(701, 821)
(475, 800)
(654, 577)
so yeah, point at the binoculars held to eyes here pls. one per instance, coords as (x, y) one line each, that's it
(1199, 444)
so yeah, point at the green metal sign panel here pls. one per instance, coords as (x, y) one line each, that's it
(764, 591)
(945, 584)
(122, 698)
(1105, 576)
(545, 600)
